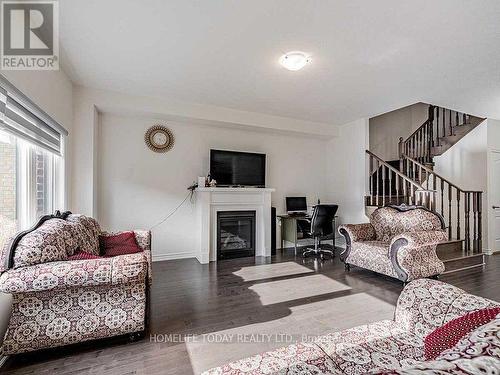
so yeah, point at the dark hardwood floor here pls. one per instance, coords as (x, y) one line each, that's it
(188, 298)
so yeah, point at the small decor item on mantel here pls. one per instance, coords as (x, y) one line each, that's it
(202, 181)
(213, 183)
(159, 138)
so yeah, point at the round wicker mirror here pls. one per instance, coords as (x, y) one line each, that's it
(159, 138)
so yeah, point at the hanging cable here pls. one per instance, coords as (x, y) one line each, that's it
(190, 194)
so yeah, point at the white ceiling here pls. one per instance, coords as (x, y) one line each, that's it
(369, 56)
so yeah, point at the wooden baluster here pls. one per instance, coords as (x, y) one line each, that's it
(418, 144)
(442, 198)
(405, 191)
(451, 127)
(429, 140)
(397, 189)
(421, 149)
(390, 187)
(378, 183)
(437, 127)
(464, 118)
(425, 143)
(383, 185)
(458, 214)
(412, 194)
(456, 118)
(422, 143)
(434, 189)
(474, 212)
(370, 167)
(444, 121)
(479, 222)
(450, 194)
(467, 221)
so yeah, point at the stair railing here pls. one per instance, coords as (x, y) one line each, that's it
(461, 209)
(387, 185)
(441, 122)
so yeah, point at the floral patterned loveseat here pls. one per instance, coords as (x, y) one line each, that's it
(390, 346)
(399, 241)
(57, 301)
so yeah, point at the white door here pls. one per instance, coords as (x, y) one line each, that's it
(494, 200)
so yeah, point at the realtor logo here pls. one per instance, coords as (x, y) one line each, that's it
(30, 39)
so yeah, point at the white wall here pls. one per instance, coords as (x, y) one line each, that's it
(346, 174)
(386, 129)
(464, 163)
(53, 92)
(137, 188)
(88, 102)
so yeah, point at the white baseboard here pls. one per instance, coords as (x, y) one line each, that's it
(490, 252)
(172, 256)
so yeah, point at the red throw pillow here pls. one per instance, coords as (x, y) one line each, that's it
(119, 244)
(82, 255)
(449, 335)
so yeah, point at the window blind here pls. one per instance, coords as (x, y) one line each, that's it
(23, 118)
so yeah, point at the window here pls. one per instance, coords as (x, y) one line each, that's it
(31, 162)
(8, 181)
(30, 184)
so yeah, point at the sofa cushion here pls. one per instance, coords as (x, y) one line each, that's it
(372, 255)
(389, 222)
(477, 353)
(131, 268)
(381, 345)
(303, 358)
(56, 239)
(118, 244)
(86, 234)
(447, 336)
(45, 244)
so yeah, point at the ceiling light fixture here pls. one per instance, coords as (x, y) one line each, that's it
(295, 60)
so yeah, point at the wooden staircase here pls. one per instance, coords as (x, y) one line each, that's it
(442, 129)
(411, 180)
(455, 258)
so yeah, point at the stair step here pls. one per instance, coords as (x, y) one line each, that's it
(450, 249)
(463, 263)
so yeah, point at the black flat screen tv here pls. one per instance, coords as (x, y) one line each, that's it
(233, 168)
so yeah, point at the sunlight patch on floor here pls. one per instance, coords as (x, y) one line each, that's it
(267, 271)
(311, 319)
(293, 289)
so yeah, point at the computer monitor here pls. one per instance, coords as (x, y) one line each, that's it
(296, 204)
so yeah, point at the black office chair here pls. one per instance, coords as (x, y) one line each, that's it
(322, 228)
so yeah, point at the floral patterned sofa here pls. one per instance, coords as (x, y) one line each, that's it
(389, 346)
(399, 241)
(57, 301)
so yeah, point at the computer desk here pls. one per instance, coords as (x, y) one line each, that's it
(289, 228)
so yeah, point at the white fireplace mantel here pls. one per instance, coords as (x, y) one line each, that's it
(210, 200)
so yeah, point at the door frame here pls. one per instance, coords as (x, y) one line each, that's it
(490, 250)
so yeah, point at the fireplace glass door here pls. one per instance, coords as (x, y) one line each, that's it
(235, 234)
